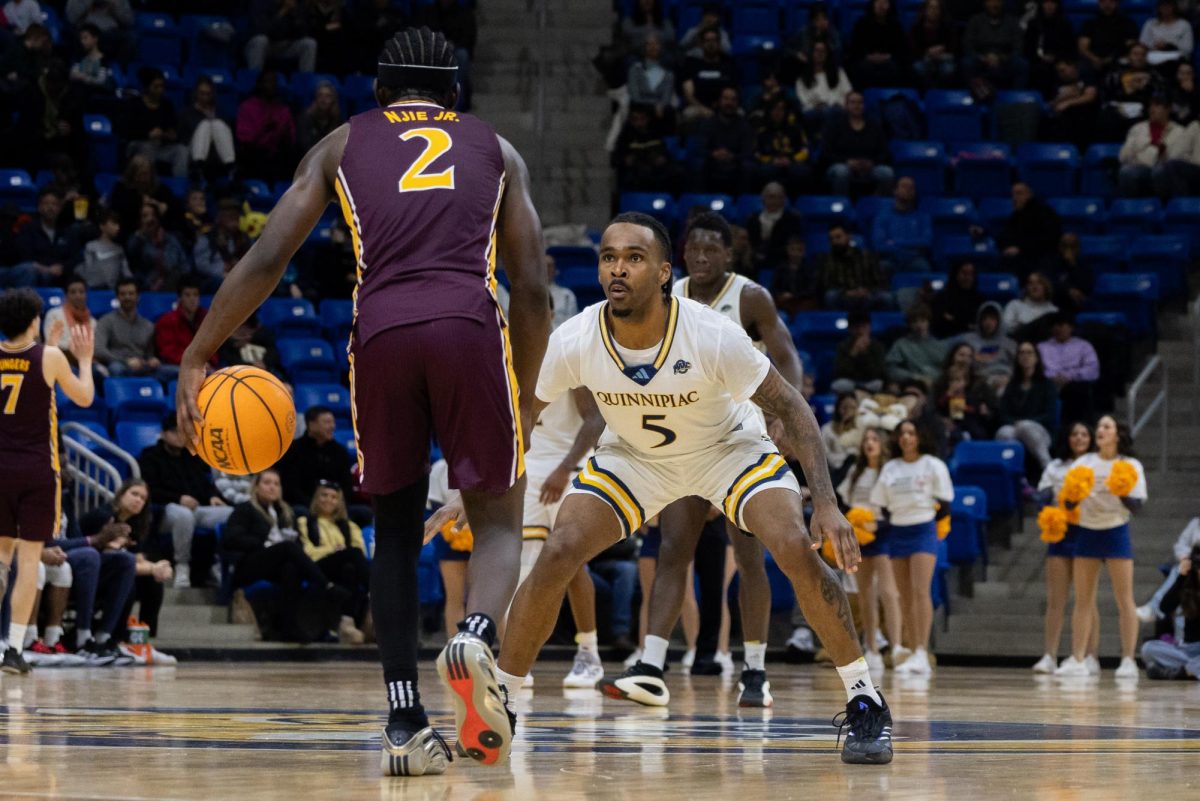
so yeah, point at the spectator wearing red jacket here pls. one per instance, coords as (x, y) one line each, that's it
(175, 330)
(266, 131)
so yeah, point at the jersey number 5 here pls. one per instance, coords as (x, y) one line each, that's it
(667, 434)
(11, 382)
(437, 144)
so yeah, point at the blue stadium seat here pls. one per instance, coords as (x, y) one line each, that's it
(875, 96)
(102, 142)
(999, 286)
(819, 333)
(259, 194)
(868, 208)
(135, 400)
(105, 181)
(950, 215)
(1013, 97)
(951, 250)
(1134, 216)
(288, 317)
(204, 50)
(16, 187)
(68, 412)
(887, 322)
(334, 396)
(309, 361)
(584, 283)
(101, 301)
(917, 280)
(1182, 217)
(817, 242)
(658, 205)
(1134, 294)
(178, 184)
(336, 318)
(924, 162)
(303, 84)
(953, 115)
(722, 204)
(1100, 170)
(1051, 170)
(755, 18)
(748, 205)
(51, 296)
(1165, 255)
(568, 257)
(994, 467)
(153, 305)
(994, 213)
(1104, 253)
(359, 92)
(135, 437)
(968, 539)
(981, 169)
(823, 407)
(1102, 318)
(1081, 215)
(819, 211)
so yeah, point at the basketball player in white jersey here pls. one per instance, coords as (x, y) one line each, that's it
(707, 255)
(564, 435)
(677, 385)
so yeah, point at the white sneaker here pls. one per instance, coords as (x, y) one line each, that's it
(183, 577)
(725, 660)
(1092, 664)
(586, 671)
(900, 655)
(880, 641)
(1045, 665)
(917, 664)
(689, 658)
(1071, 668)
(125, 651)
(636, 657)
(1128, 668)
(874, 661)
(1146, 614)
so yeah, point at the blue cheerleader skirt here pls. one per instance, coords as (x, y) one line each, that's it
(447, 554)
(879, 545)
(904, 541)
(1109, 543)
(651, 543)
(1066, 548)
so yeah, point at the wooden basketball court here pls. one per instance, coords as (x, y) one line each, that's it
(300, 731)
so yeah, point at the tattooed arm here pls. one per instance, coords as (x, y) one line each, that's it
(776, 396)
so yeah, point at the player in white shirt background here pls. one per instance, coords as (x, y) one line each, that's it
(672, 379)
(708, 256)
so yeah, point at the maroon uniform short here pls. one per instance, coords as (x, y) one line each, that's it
(450, 378)
(30, 505)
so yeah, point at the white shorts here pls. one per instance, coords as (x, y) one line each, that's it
(539, 518)
(728, 475)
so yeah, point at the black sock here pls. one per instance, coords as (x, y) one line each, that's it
(481, 626)
(395, 599)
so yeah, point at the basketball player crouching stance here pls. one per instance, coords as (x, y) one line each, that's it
(677, 384)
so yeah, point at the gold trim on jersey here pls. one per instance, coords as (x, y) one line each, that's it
(358, 451)
(514, 400)
(7, 348)
(54, 440)
(535, 532)
(765, 468)
(350, 214)
(687, 290)
(664, 348)
(490, 252)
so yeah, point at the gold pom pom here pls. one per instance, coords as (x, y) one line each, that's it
(863, 520)
(461, 540)
(1052, 522)
(1078, 484)
(1122, 479)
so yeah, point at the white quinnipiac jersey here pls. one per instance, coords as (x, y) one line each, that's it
(693, 391)
(727, 302)
(555, 431)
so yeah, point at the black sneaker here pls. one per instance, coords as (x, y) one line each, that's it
(640, 682)
(754, 689)
(95, 654)
(15, 663)
(869, 739)
(111, 648)
(1161, 672)
(706, 666)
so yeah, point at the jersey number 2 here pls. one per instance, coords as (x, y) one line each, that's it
(12, 382)
(437, 144)
(667, 434)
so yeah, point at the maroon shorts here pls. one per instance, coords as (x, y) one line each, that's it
(451, 379)
(30, 505)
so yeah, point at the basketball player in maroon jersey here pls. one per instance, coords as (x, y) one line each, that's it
(431, 197)
(30, 488)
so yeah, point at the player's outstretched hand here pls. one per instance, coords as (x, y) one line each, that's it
(450, 512)
(56, 332)
(83, 342)
(191, 377)
(828, 523)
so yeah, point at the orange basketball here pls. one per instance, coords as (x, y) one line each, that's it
(249, 420)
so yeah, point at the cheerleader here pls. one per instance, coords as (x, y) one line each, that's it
(1119, 488)
(914, 490)
(855, 493)
(1060, 556)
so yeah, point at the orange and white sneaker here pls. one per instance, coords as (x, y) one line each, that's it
(484, 724)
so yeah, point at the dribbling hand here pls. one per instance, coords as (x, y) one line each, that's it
(828, 523)
(451, 512)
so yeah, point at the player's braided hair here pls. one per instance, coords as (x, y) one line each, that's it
(418, 47)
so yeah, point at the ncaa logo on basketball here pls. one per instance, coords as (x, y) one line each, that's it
(682, 367)
(216, 444)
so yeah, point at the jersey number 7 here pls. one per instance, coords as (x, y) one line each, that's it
(11, 382)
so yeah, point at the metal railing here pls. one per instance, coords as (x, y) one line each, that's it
(94, 479)
(1158, 402)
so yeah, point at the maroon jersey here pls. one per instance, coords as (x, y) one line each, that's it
(28, 418)
(420, 189)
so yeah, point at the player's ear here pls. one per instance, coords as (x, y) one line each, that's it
(454, 95)
(666, 274)
(381, 98)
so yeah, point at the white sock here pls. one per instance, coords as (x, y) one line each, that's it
(509, 682)
(586, 640)
(756, 655)
(103, 637)
(82, 636)
(31, 636)
(857, 678)
(16, 636)
(654, 651)
(919, 655)
(53, 635)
